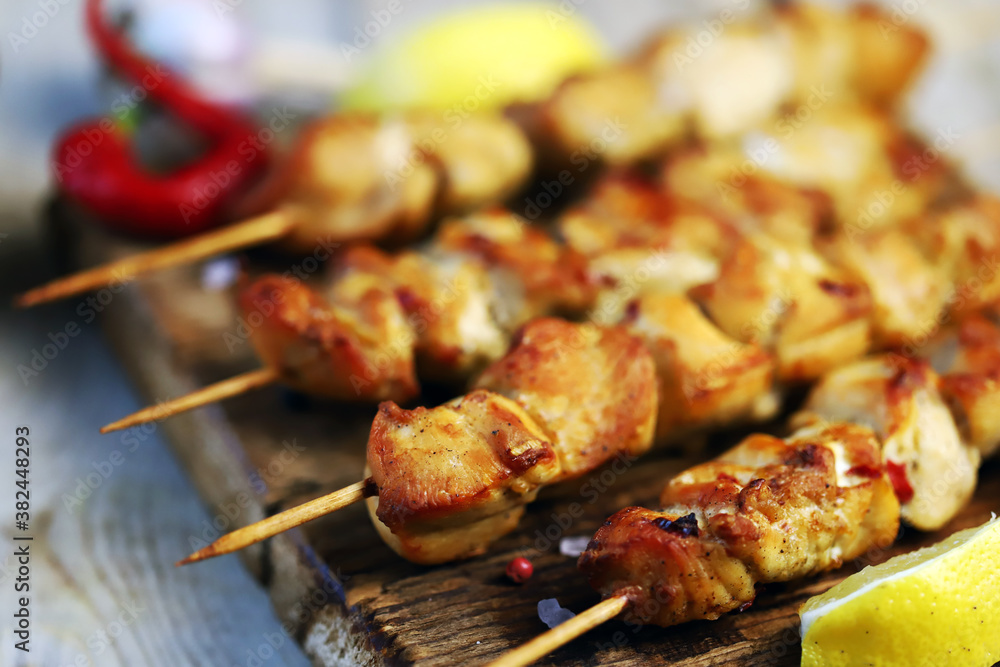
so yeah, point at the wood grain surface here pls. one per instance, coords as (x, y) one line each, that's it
(347, 597)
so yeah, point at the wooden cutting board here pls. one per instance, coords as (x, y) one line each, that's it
(341, 592)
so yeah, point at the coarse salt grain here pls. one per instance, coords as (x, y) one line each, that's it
(552, 614)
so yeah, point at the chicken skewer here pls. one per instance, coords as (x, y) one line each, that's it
(608, 242)
(767, 510)
(898, 397)
(443, 483)
(771, 510)
(450, 308)
(800, 312)
(336, 188)
(343, 181)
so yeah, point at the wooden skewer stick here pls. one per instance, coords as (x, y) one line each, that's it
(290, 518)
(563, 633)
(267, 227)
(216, 392)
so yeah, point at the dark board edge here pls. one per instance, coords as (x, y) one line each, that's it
(306, 596)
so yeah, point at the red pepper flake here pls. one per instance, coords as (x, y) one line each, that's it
(897, 475)
(870, 472)
(519, 570)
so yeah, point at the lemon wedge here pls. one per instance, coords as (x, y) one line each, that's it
(486, 57)
(934, 606)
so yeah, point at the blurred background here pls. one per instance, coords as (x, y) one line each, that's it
(103, 588)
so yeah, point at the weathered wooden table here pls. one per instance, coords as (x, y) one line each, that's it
(345, 595)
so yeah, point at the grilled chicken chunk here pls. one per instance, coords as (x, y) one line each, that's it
(593, 390)
(453, 478)
(532, 273)
(616, 116)
(787, 298)
(795, 57)
(933, 470)
(566, 399)
(963, 242)
(767, 510)
(637, 238)
(706, 378)
(968, 359)
(909, 294)
(348, 346)
(335, 182)
(726, 182)
(359, 178)
(481, 161)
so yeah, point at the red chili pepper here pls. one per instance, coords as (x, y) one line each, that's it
(95, 165)
(519, 570)
(897, 475)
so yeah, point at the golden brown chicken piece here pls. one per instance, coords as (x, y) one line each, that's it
(933, 470)
(963, 242)
(706, 378)
(909, 294)
(768, 510)
(565, 400)
(755, 68)
(614, 117)
(861, 51)
(335, 183)
(873, 172)
(482, 159)
(335, 346)
(787, 298)
(449, 308)
(449, 302)
(531, 272)
(728, 183)
(968, 359)
(453, 478)
(593, 390)
(359, 178)
(637, 239)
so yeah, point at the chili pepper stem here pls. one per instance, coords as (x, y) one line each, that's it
(267, 227)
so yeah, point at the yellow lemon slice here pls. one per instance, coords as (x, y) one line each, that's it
(486, 57)
(935, 606)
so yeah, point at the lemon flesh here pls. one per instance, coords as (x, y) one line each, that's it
(483, 58)
(934, 606)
